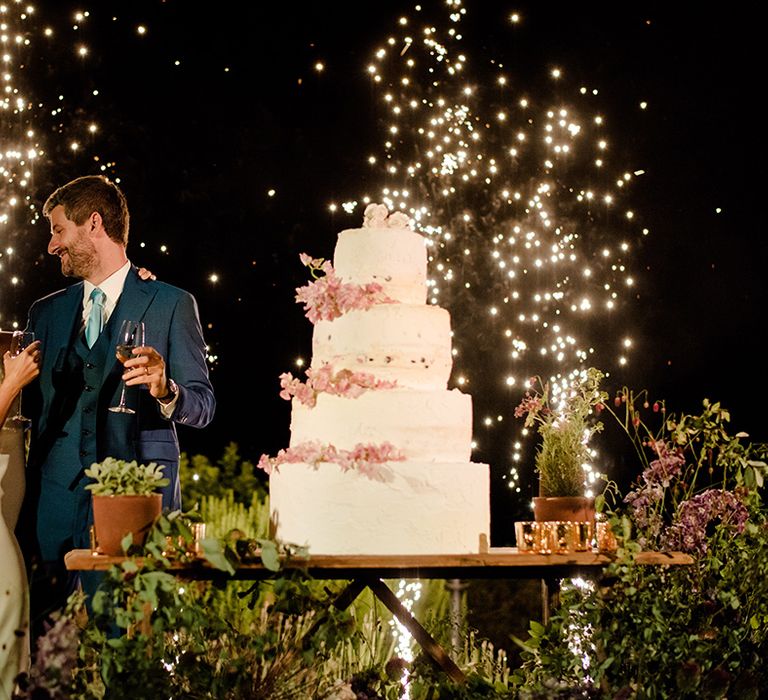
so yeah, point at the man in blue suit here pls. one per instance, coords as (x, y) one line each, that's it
(80, 378)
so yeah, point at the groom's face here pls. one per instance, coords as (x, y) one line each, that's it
(72, 244)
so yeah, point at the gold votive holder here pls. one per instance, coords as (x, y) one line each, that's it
(528, 536)
(92, 536)
(560, 536)
(554, 536)
(582, 536)
(198, 533)
(606, 540)
(179, 546)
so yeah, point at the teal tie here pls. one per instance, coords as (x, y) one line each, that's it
(95, 321)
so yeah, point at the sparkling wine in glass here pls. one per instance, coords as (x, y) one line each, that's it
(131, 336)
(19, 341)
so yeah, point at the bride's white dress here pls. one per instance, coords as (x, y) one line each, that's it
(14, 593)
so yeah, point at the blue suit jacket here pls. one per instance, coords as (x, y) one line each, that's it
(172, 327)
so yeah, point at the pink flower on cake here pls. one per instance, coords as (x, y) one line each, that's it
(361, 296)
(368, 459)
(316, 265)
(345, 382)
(294, 387)
(328, 297)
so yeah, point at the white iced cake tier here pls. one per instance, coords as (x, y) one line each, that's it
(420, 508)
(395, 258)
(394, 342)
(430, 426)
(434, 500)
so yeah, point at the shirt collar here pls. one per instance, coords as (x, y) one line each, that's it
(112, 286)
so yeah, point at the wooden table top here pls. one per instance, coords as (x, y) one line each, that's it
(497, 562)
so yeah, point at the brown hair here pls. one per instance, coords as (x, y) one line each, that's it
(85, 195)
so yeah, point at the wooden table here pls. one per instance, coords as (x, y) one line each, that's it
(369, 571)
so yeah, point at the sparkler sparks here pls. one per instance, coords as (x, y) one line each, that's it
(166, 106)
(521, 204)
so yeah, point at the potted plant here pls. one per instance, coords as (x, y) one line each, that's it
(564, 413)
(126, 500)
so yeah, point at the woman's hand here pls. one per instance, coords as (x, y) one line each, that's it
(21, 369)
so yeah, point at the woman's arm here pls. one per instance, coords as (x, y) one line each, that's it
(19, 371)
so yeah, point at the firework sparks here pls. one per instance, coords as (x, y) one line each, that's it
(521, 205)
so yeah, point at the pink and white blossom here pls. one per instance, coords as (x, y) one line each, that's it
(328, 297)
(368, 459)
(345, 382)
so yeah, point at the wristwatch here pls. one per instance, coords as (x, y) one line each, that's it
(173, 390)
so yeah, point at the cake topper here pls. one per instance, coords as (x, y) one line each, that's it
(378, 216)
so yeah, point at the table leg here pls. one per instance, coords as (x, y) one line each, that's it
(456, 587)
(433, 650)
(550, 597)
(350, 593)
(342, 602)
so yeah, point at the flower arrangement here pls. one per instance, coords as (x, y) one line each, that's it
(694, 474)
(328, 297)
(365, 458)
(345, 382)
(118, 477)
(563, 413)
(686, 631)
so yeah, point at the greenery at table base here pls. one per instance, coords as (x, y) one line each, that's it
(280, 638)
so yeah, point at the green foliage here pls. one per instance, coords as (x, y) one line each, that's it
(224, 514)
(559, 459)
(658, 632)
(201, 479)
(122, 478)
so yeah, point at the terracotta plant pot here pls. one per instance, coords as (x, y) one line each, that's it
(564, 508)
(115, 516)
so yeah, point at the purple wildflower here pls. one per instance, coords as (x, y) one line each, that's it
(666, 467)
(689, 532)
(644, 504)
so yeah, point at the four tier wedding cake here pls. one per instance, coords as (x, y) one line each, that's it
(379, 455)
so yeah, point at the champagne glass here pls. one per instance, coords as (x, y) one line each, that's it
(19, 341)
(131, 336)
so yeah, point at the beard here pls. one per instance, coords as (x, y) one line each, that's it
(79, 259)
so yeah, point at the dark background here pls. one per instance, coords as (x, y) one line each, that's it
(198, 146)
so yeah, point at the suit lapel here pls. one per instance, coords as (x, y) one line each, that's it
(67, 319)
(133, 303)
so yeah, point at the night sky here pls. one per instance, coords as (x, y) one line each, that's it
(199, 146)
